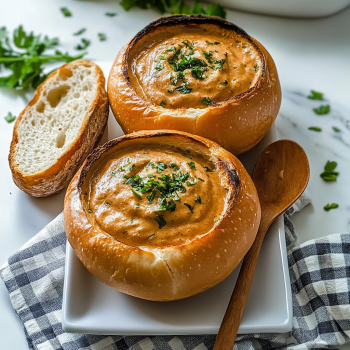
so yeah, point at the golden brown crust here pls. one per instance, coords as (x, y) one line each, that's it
(237, 123)
(169, 272)
(55, 178)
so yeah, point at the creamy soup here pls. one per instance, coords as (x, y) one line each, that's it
(192, 66)
(154, 196)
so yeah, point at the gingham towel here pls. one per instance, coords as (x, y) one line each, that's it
(320, 280)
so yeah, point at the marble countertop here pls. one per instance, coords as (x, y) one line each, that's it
(309, 54)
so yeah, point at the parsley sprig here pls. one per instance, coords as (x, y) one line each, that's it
(329, 174)
(25, 58)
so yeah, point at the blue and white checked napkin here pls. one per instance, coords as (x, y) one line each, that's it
(320, 279)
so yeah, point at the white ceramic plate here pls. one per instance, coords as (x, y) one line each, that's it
(89, 306)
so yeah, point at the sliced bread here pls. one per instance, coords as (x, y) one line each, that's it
(58, 129)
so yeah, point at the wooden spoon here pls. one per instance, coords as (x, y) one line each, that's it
(280, 177)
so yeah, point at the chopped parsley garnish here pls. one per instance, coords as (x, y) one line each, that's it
(132, 167)
(154, 234)
(137, 205)
(66, 12)
(81, 31)
(174, 166)
(110, 14)
(125, 232)
(224, 83)
(107, 204)
(136, 194)
(189, 207)
(216, 219)
(256, 67)
(329, 174)
(89, 211)
(328, 207)
(10, 117)
(200, 179)
(220, 64)
(192, 165)
(214, 43)
(206, 101)
(161, 221)
(198, 200)
(315, 95)
(158, 66)
(190, 46)
(161, 167)
(183, 89)
(187, 155)
(191, 183)
(163, 103)
(113, 173)
(208, 55)
(336, 129)
(323, 109)
(84, 44)
(164, 206)
(207, 169)
(162, 57)
(315, 128)
(102, 36)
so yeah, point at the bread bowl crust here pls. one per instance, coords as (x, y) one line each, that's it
(236, 123)
(53, 179)
(170, 272)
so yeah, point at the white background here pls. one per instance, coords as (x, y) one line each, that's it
(310, 54)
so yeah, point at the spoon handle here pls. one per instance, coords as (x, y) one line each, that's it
(232, 319)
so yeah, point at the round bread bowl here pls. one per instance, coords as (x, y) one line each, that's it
(237, 122)
(164, 270)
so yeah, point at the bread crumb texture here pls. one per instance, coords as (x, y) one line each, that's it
(48, 127)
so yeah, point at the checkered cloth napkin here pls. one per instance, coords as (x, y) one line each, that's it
(320, 280)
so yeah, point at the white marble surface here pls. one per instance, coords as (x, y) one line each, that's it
(310, 54)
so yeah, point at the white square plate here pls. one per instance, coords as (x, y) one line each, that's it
(89, 306)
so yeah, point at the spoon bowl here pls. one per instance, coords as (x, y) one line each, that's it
(280, 177)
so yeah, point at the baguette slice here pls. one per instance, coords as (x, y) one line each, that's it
(58, 129)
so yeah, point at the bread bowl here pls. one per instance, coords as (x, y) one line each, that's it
(58, 129)
(134, 242)
(198, 74)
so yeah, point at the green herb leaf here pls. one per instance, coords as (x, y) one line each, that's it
(102, 36)
(189, 207)
(198, 200)
(224, 83)
(81, 31)
(84, 44)
(107, 204)
(214, 43)
(113, 173)
(136, 194)
(183, 89)
(200, 179)
(66, 12)
(187, 155)
(191, 183)
(330, 166)
(174, 166)
(323, 109)
(207, 169)
(161, 221)
(328, 207)
(206, 101)
(329, 174)
(192, 165)
(161, 167)
(336, 129)
(132, 167)
(315, 95)
(10, 117)
(154, 234)
(163, 103)
(315, 128)
(89, 211)
(125, 232)
(110, 14)
(137, 205)
(256, 67)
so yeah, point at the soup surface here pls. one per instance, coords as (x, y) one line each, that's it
(192, 66)
(154, 196)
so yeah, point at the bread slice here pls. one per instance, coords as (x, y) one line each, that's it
(59, 127)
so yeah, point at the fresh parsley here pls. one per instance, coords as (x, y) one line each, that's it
(192, 165)
(224, 83)
(25, 58)
(214, 43)
(66, 12)
(154, 234)
(113, 173)
(102, 36)
(198, 200)
(315, 95)
(163, 103)
(174, 166)
(83, 45)
(329, 174)
(187, 155)
(161, 221)
(110, 14)
(207, 169)
(189, 207)
(328, 207)
(183, 89)
(206, 101)
(10, 117)
(136, 194)
(175, 7)
(315, 128)
(323, 109)
(79, 32)
(336, 129)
